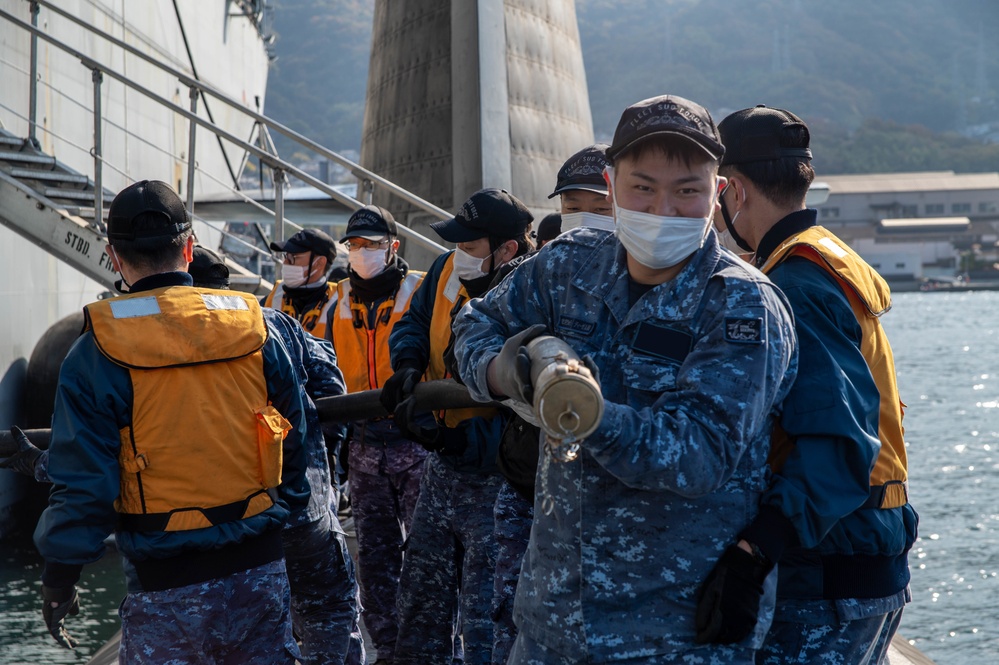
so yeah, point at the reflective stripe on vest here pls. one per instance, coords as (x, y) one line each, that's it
(314, 320)
(449, 292)
(203, 446)
(869, 298)
(363, 353)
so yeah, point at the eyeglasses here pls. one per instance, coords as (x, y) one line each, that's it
(361, 243)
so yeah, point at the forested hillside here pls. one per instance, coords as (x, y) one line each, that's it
(885, 85)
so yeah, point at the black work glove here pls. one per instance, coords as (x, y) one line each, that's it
(23, 461)
(405, 419)
(399, 386)
(444, 440)
(591, 365)
(57, 602)
(451, 361)
(729, 602)
(513, 366)
(343, 459)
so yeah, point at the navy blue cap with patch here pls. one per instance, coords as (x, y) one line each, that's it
(488, 212)
(666, 115)
(308, 240)
(371, 223)
(584, 170)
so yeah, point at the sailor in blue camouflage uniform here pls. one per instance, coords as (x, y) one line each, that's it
(324, 608)
(582, 194)
(693, 349)
(451, 550)
(385, 467)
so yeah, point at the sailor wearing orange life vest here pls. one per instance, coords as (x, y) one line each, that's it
(385, 467)
(836, 517)
(304, 291)
(202, 550)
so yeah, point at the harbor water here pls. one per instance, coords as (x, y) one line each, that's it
(947, 356)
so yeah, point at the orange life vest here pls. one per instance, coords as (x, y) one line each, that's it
(314, 320)
(362, 352)
(869, 298)
(204, 446)
(451, 296)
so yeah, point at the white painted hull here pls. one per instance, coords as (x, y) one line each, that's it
(142, 140)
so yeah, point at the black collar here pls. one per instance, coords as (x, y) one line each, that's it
(794, 223)
(178, 278)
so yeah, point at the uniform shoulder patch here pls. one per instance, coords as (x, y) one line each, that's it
(744, 330)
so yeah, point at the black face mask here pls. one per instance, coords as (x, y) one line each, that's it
(739, 240)
(477, 287)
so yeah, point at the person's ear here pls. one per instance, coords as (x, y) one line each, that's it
(318, 266)
(189, 250)
(114, 258)
(509, 250)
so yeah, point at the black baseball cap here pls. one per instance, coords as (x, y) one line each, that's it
(308, 240)
(666, 114)
(370, 223)
(584, 170)
(760, 134)
(208, 269)
(147, 196)
(488, 212)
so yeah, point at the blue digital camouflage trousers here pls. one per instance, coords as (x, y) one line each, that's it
(512, 518)
(834, 632)
(324, 606)
(383, 505)
(240, 618)
(527, 651)
(449, 564)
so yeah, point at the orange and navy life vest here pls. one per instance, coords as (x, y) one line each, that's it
(314, 320)
(451, 296)
(869, 298)
(203, 447)
(362, 352)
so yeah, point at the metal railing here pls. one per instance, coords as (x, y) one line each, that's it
(280, 168)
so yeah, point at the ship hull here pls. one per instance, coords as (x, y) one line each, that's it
(141, 140)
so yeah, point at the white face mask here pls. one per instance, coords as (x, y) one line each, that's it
(591, 220)
(656, 241)
(368, 262)
(467, 266)
(659, 242)
(726, 240)
(294, 276)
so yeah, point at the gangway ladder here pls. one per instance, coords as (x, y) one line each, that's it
(53, 206)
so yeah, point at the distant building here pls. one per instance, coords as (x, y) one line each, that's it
(911, 225)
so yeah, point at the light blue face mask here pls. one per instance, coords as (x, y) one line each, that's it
(659, 242)
(656, 241)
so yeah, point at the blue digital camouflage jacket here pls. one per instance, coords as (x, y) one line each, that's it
(691, 375)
